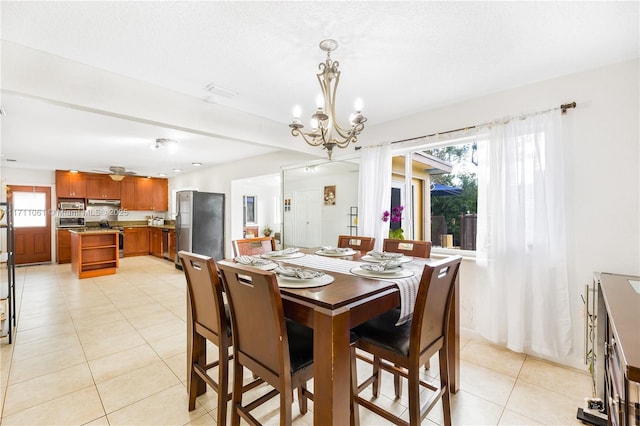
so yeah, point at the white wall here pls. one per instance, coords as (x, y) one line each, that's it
(602, 171)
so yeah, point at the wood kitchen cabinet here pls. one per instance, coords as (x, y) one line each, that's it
(155, 241)
(136, 241)
(102, 187)
(70, 185)
(94, 253)
(63, 246)
(141, 193)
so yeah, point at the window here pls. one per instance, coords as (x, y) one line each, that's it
(30, 209)
(443, 201)
(250, 209)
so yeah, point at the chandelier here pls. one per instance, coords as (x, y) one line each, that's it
(325, 130)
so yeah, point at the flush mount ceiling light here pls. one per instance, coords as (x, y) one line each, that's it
(325, 130)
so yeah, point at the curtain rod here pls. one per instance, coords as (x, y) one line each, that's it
(563, 108)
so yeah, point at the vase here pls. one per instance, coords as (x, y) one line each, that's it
(396, 234)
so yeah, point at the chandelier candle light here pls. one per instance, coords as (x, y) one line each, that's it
(325, 130)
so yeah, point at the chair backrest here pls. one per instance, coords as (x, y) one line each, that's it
(357, 243)
(433, 303)
(408, 247)
(204, 295)
(257, 320)
(252, 246)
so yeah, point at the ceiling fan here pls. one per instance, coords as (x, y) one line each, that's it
(117, 173)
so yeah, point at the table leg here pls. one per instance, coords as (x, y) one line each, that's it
(332, 394)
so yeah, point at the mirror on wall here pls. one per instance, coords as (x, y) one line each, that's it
(250, 209)
(319, 202)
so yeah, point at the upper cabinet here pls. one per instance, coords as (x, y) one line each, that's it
(70, 185)
(134, 192)
(140, 193)
(102, 187)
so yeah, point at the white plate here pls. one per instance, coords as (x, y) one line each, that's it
(267, 267)
(402, 273)
(291, 282)
(335, 254)
(369, 258)
(283, 256)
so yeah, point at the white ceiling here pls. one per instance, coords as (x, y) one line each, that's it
(399, 57)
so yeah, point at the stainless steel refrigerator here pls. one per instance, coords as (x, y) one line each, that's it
(199, 224)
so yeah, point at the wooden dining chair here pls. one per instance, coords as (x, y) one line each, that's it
(208, 319)
(253, 246)
(404, 348)
(363, 244)
(278, 350)
(408, 247)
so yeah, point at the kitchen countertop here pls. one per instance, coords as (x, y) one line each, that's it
(92, 231)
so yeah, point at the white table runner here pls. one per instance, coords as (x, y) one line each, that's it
(408, 286)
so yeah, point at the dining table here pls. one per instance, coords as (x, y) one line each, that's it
(332, 310)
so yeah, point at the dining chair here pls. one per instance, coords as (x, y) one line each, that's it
(253, 246)
(408, 247)
(208, 319)
(404, 348)
(363, 244)
(276, 349)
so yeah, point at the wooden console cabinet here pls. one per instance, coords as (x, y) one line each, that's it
(619, 336)
(94, 253)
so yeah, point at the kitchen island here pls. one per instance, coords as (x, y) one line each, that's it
(94, 252)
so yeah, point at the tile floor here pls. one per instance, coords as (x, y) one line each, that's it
(111, 351)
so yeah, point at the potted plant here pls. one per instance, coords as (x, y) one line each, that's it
(394, 216)
(267, 230)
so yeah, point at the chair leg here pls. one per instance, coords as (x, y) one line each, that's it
(302, 399)
(444, 383)
(236, 399)
(375, 386)
(223, 384)
(286, 399)
(414, 396)
(197, 354)
(397, 384)
(355, 411)
(427, 365)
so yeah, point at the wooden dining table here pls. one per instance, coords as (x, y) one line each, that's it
(332, 311)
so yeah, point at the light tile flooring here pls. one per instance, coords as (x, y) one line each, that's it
(111, 351)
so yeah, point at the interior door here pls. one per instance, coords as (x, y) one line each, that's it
(31, 208)
(307, 223)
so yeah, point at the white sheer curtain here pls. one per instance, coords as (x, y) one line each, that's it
(375, 192)
(524, 301)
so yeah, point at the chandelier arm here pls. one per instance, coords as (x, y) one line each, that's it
(314, 141)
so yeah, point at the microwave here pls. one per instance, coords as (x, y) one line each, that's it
(71, 205)
(71, 222)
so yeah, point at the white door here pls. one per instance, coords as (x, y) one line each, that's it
(307, 210)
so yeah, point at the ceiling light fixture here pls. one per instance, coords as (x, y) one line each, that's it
(177, 170)
(325, 130)
(196, 164)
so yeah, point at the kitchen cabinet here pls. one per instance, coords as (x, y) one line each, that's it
(101, 186)
(63, 246)
(155, 242)
(136, 241)
(141, 193)
(128, 193)
(152, 194)
(70, 185)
